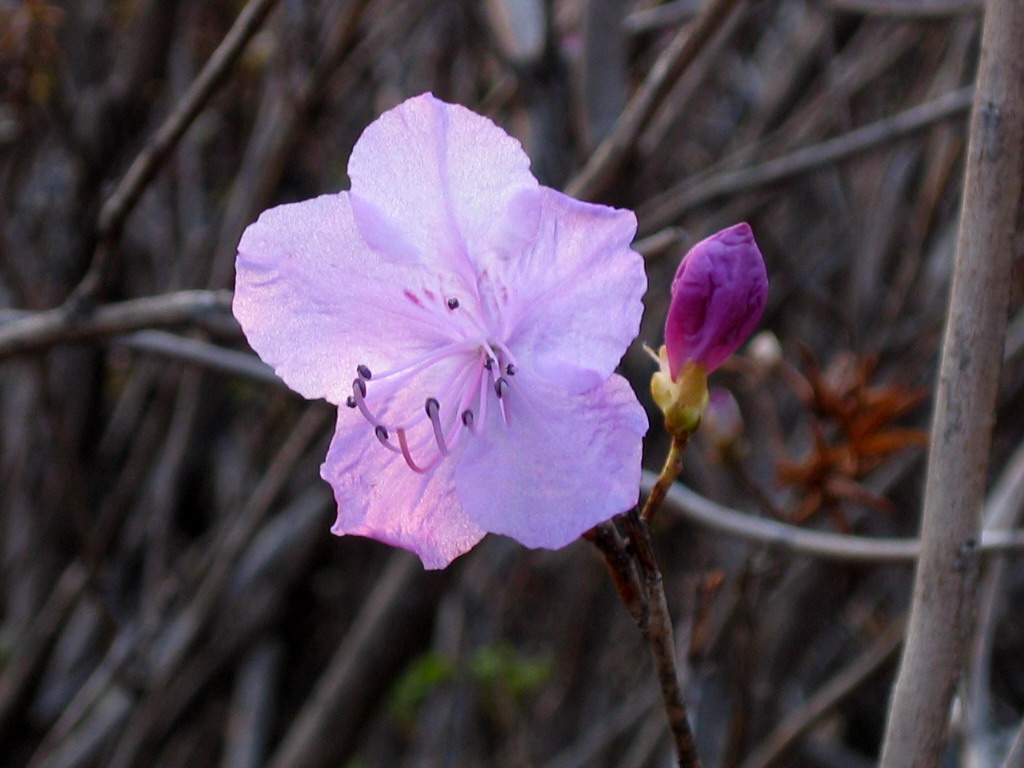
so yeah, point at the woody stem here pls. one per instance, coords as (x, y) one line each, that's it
(639, 582)
(657, 629)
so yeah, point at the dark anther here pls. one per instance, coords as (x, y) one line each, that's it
(500, 387)
(453, 303)
(489, 365)
(510, 370)
(364, 372)
(362, 386)
(432, 407)
(467, 418)
(350, 401)
(381, 431)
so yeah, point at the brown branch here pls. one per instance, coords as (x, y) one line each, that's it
(586, 750)
(613, 151)
(203, 353)
(660, 16)
(26, 665)
(658, 632)
(943, 603)
(637, 578)
(38, 330)
(909, 8)
(384, 612)
(673, 203)
(117, 207)
(825, 699)
(621, 568)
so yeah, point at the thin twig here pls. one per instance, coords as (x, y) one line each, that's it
(613, 151)
(909, 8)
(660, 16)
(385, 609)
(659, 635)
(684, 502)
(655, 622)
(282, 116)
(638, 579)
(39, 330)
(202, 353)
(673, 203)
(621, 568)
(20, 671)
(117, 207)
(943, 604)
(1003, 511)
(587, 748)
(825, 699)
(1015, 757)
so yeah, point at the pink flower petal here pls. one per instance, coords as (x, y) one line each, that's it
(718, 296)
(577, 292)
(564, 463)
(314, 301)
(470, 320)
(435, 183)
(380, 497)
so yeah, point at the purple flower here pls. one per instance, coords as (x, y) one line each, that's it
(718, 296)
(468, 321)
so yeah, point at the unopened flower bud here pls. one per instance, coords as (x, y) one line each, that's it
(718, 296)
(722, 422)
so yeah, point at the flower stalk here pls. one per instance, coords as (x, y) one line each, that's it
(718, 295)
(669, 473)
(660, 638)
(637, 578)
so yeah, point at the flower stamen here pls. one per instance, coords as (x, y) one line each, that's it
(407, 455)
(489, 367)
(433, 409)
(382, 436)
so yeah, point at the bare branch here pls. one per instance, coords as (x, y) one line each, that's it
(117, 207)
(826, 698)
(909, 8)
(40, 330)
(612, 152)
(120, 203)
(202, 353)
(680, 500)
(673, 203)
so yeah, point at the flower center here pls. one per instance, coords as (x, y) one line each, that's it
(423, 408)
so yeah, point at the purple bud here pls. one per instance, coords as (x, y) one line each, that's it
(722, 421)
(718, 296)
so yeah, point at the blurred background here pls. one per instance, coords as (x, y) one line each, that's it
(169, 592)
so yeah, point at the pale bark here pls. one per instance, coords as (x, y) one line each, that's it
(943, 600)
